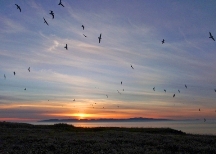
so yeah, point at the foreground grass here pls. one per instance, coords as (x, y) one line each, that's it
(63, 138)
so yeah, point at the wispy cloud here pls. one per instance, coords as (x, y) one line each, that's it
(10, 26)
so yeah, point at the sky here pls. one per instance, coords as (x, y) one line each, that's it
(85, 80)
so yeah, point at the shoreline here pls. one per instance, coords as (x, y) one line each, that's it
(187, 126)
(64, 138)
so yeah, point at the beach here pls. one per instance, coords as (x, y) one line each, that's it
(64, 138)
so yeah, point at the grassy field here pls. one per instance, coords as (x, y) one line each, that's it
(21, 138)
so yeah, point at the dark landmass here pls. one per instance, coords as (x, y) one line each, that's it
(104, 120)
(63, 138)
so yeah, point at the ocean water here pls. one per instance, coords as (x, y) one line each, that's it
(187, 126)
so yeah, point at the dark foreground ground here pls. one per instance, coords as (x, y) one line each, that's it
(65, 139)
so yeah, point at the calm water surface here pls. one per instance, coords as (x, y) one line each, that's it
(193, 127)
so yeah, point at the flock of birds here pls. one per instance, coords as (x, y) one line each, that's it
(99, 39)
(174, 94)
(53, 16)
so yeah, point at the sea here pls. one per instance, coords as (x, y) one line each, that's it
(188, 126)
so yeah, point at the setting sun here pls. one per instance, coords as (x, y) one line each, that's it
(81, 115)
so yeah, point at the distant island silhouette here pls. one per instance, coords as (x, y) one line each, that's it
(105, 120)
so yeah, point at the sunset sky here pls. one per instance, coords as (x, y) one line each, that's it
(132, 32)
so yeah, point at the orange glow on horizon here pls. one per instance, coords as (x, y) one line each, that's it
(110, 111)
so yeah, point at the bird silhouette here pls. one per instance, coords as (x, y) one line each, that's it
(164, 90)
(60, 3)
(174, 95)
(4, 76)
(29, 69)
(82, 27)
(215, 90)
(185, 86)
(25, 89)
(66, 47)
(163, 41)
(14, 73)
(204, 120)
(84, 35)
(179, 91)
(45, 21)
(211, 36)
(154, 88)
(51, 12)
(121, 82)
(132, 67)
(18, 7)
(99, 38)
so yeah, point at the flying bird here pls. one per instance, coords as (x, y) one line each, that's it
(185, 86)
(211, 36)
(174, 95)
(84, 35)
(164, 90)
(215, 90)
(82, 27)
(154, 88)
(18, 7)
(60, 3)
(121, 82)
(4, 76)
(45, 21)
(66, 47)
(29, 69)
(132, 67)
(25, 89)
(163, 41)
(14, 73)
(51, 12)
(99, 38)
(179, 91)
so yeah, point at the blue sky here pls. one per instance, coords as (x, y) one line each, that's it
(132, 32)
